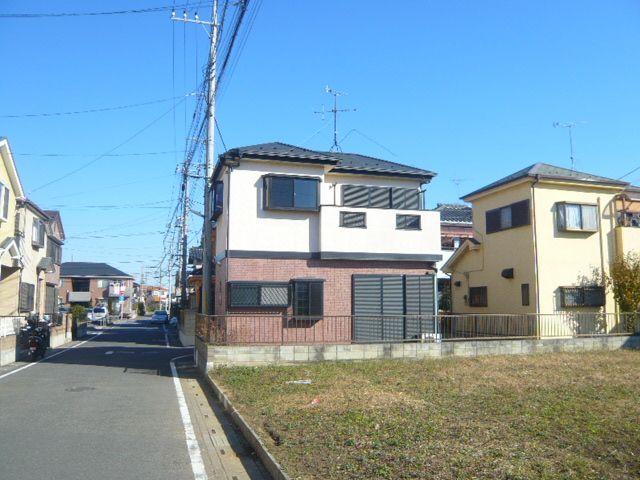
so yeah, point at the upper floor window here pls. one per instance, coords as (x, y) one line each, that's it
(574, 217)
(54, 251)
(291, 193)
(26, 297)
(353, 219)
(408, 222)
(37, 233)
(218, 199)
(380, 197)
(509, 216)
(4, 202)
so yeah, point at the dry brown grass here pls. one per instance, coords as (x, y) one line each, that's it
(544, 416)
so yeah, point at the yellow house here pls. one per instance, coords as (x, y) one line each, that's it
(539, 236)
(10, 253)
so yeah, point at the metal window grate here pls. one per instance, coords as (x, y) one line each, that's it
(408, 222)
(353, 220)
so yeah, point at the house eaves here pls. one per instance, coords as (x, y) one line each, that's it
(468, 244)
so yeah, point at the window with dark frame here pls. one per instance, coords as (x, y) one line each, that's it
(478, 297)
(408, 222)
(584, 296)
(37, 233)
(381, 197)
(524, 292)
(308, 298)
(572, 217)
(54, 251)
(353, 219)
(27, 294)
(218, 199)
(510, 216)
(258, 294)
(291, 193)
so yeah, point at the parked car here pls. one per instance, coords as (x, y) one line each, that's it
(99, 313)
(89, 312)
(160, 317)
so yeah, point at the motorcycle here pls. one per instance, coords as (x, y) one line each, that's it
(37, 338)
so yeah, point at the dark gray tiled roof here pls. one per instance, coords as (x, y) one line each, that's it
(90, 269)
(454, 213)
(544, 170)
(343, 162)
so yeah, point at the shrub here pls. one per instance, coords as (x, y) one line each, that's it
(624, 281)
(78, 313)
(140, 308)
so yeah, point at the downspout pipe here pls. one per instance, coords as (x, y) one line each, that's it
(535, 241)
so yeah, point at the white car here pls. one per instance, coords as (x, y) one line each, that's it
(98, 314)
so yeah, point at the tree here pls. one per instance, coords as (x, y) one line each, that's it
(140, 309)
(78, 313)
(624, 281)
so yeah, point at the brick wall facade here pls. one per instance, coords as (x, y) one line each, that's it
(335, 326)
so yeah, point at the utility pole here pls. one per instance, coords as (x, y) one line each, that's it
(185, 234)
(207, 260)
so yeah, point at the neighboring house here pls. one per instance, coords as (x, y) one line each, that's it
(31, 230)
(55, 241)
(92, 284)
(10, 254)
(156, 294)
(539, 234)
(315, 234)
(194, 279)
(456, 225)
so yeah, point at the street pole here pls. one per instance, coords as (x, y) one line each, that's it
(207, 260)
(185, 234)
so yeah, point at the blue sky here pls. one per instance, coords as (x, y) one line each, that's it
(469, 89)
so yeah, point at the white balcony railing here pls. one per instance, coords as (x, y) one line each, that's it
(380, 237)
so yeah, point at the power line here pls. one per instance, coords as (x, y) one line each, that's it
(117, 185)
(93, 110)
(115, 236)
(163, 8)
(136, 154)
(629, 173)
(82, 167)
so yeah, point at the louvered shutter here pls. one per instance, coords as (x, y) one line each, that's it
(367, 308)
(355, 196)
(420, 305)
(520, 213)
(379, 197)
(493, 220)
(392, 308)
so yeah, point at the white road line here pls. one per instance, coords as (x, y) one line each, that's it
(47, 358)
(197, 466)
(110, 352)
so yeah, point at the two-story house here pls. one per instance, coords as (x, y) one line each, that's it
(539, 236)
(93, 284)
(10, 255)
(55, 241)
(456, 225)
(31, 231)
(318, 235)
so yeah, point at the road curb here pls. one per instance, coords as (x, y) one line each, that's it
(268, 460)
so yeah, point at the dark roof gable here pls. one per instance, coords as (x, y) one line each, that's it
(342, 162)
(544, 170)
(90, 269)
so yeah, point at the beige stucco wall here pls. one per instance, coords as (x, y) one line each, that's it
(570, 258)
(627, 240)
(31, 257)
(512, 248)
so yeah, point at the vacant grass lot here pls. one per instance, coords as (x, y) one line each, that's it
(544, 416)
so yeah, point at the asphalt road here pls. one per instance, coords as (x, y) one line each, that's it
(106, 409)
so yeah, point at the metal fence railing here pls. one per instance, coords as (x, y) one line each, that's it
(254, 329)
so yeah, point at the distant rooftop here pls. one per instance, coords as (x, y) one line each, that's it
(454, 213)
(343, 162)
(544, 170)
(91, 270)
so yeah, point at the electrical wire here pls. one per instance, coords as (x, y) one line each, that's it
(136, 154)
(100, 157)
(162, 8)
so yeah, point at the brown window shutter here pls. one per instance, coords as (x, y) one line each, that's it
(520, 214)
(493, 220)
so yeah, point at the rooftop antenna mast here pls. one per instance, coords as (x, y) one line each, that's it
(335, 110)
(569, 127)
(457, 182)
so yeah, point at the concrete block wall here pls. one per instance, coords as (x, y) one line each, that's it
(8, 349)
(187, 327)
(211, 356)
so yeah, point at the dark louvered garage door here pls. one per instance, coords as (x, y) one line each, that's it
(382, 305)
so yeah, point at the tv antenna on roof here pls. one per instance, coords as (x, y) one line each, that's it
(335, 110)
(569, 127)
(457, 182)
